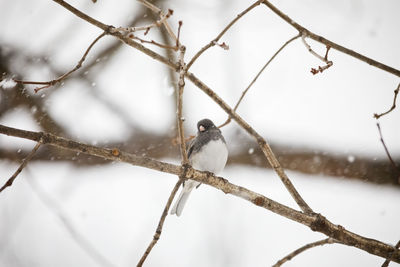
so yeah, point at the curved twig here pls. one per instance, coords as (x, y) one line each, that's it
(304, 248)
(65, 75)
(216, 39)
(396, 92)
(258, 75)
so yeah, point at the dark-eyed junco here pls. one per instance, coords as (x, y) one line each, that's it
(206, 152)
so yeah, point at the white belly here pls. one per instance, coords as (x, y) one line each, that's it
(212, 157)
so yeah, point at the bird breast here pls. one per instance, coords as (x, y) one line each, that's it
(212, 157)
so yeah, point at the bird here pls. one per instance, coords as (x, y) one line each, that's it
(206, 152)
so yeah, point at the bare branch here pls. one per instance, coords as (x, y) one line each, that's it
(377, 116)
(145, 28)
(158, 11)
(302, 249)
(316, 222)
(331, 44)
(324, 59)
(258, 75)
(180, 118)
(387, 261)
(82, 15)
(22, 166)
(62, 77)
(157, 234)
(216, 39)
(152, 42)
(385, 147)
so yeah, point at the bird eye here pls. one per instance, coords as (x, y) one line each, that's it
(201, 128)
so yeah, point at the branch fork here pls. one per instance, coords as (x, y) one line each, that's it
(325, 59)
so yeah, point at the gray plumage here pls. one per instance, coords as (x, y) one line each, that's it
(211, 132)
(206, 152)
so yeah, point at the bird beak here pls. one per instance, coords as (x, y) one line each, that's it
(201, 128)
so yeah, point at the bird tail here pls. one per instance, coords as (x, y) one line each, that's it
(183, 197)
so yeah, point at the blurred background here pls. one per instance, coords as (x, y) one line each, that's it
(68, 209)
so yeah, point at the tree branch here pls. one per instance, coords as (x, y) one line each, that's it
(216, 39)
(22, 166)
(65, 75)
(316, 222)
(387, 261)
(386, 149)
(328, 63)
(180, 118)
(327, 42)
(158, 11)
(302, 249)
(258, 75)
(157, 234)
(377, 116)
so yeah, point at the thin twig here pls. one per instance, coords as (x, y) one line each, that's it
(320, 69)
(258, 75)
(385, 147)
(387, 261)
(314, 221)
(157, 234)
(180, 118)
(145, 28)
(216, 39)
(158, 11)
(304, 248)
(153, 42)
(377, 116)
(329, 43)
(179, 33)
(21, 167)
(60, 213)
(62, 77)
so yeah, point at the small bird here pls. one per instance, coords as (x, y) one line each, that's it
(206, 152)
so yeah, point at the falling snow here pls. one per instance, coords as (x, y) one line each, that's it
(350, 158)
